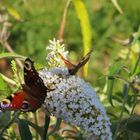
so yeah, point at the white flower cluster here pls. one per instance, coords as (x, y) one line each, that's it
(76, 102)
(54, 48)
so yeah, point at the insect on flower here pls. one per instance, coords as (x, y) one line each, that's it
(33, 92)
(74, 100)
(72, 68)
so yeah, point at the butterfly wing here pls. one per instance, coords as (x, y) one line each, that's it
(32, 95)
(19, 101)
(72, 68)
(13, 102)
(34, 85)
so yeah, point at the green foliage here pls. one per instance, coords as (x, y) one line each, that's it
(130, 90)
(114, 70)
(16, 75)
(4, 118)
(9, 55)
(85, 27)
(4, 89)
(92, 23)
(117, 6)
(24, 130)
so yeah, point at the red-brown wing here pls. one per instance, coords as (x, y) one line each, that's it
(13, 102)
(35, 84)
(19, 101)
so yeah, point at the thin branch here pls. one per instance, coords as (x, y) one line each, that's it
(56, 127)
(47, 122)
(8, 80)
(63, 21)
(125, 93)
(36, 122)
(4, 35)
(136, 65)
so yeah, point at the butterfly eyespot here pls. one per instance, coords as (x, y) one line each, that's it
(5, 101)
(25, 106)
(27, 65)
(5, 104)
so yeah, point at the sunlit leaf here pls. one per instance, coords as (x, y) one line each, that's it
(135, 58)
(38, 66)
(115, 68)
(13, 12)
(4, 89)
(8, 80)
(115, 3)
(24, 130)
(85, 27)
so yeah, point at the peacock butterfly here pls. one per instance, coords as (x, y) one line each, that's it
(33, 92)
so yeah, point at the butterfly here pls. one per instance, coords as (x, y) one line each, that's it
(73, 68)
(32, 94)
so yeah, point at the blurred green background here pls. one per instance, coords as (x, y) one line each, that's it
(40, 21)
(34, 23)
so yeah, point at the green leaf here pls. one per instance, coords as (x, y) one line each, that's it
(24, 130)
(135, 58)
(85, 27)
(14, 13)
(134, 123)
(4, 89)
(110, 86)
(4, 118)
(38, 66)
(16, 73)
(13, 55)
(134, 126)
(36, 127)
(115, 69)
(115, 3)
(8, 80)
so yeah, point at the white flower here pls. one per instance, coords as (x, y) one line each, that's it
(76, 102)
(53, 57)
(71, 98)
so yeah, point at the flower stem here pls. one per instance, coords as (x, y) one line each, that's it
(9, 123)
(56, 127)
(125, 93)
(47, 121)
(36, 121)
(136, 65)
